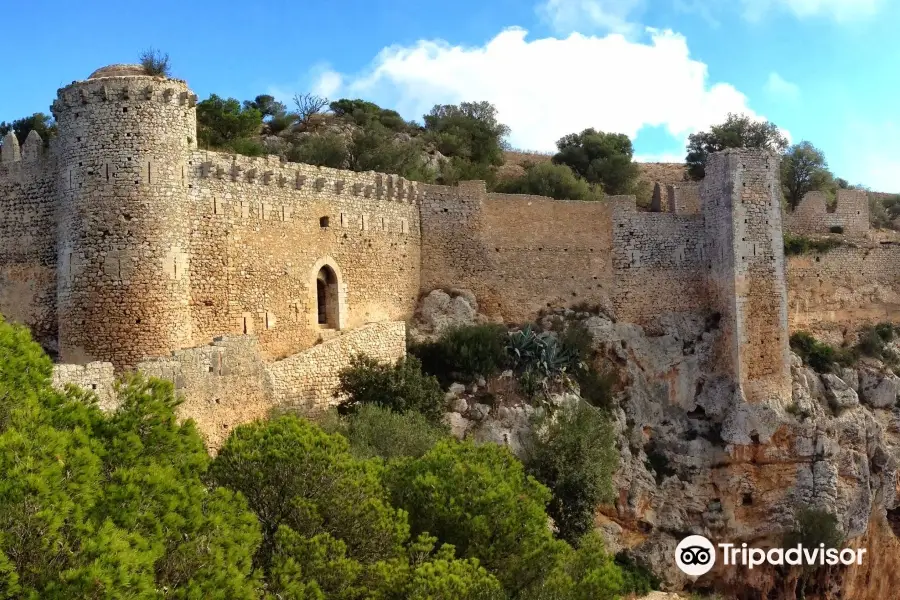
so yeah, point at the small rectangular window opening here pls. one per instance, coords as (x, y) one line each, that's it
(323, 222)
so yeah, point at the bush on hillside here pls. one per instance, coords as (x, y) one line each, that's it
(374, 431)
(110, 505)
(573, 453)
(464, 353)
(479, 499)
(400, 387)
(292, 473)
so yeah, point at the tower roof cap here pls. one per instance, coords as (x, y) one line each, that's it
(119, 70)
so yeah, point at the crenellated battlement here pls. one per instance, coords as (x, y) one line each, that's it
(122, 89)
(271, 171)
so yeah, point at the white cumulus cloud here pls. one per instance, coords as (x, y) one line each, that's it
(578, 15)
(780, 88)
(840, 10)
(546, 88)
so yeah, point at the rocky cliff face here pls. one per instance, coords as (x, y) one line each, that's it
(695, 460)
(688, 466)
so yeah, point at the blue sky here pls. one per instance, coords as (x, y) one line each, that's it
(823, 70)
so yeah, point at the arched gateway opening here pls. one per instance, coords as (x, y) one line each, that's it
(327, 298)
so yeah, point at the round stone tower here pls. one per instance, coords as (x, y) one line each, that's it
(124, 147)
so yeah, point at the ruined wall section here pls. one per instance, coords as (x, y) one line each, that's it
(680, 199)
(813, 217)
(748, 181)
(262, 231)
(309, 380)
(123, 285)
(658, 262)
(836, 292)
(98, 378)
(28, 237)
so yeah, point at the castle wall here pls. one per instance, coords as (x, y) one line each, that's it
(121, 185)
(223, 384)
(517, 253)
(811, 216)
(309, 380)
(657, 262)
(97, 377)
(259, 244)
(28, 238)
(844, 288)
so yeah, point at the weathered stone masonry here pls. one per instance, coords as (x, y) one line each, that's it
(124, 242)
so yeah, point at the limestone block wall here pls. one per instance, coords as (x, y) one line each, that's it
(453, 250)
(658, 262)
(813, 217)
(757, 310)
(223, 384)
(263, 230)
(517, 253)
(96, 377)
(123, 289)
(545, 252)
(28, 237)
(840, 290)
(308, 380)
(684, 198)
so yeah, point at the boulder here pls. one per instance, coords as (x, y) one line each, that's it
(459, 425)
(839, 394)
(440, 311)
(879, 390)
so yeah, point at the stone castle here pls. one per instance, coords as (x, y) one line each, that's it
(123, 242)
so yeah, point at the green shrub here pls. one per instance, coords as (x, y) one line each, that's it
(155, 62)
(873, 342)
(638, 579)
(798, 244)
(293, 473)
(588, 573)
(377, 431)
(836, 229)
(814, 527)
(400, 387)
(464, 353)
(574, 455)
(596, 387)
(821, 357)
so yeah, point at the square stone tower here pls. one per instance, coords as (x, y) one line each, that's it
(741, 198)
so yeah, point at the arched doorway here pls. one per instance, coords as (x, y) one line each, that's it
(327, 298)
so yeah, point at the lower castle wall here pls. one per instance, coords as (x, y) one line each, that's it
(308, 380)
(228, 383)
(97, 377)
(842, 289)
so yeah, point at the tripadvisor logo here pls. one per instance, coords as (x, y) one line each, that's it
(695, 555)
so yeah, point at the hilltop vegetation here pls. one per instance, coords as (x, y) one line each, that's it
(466, 141)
